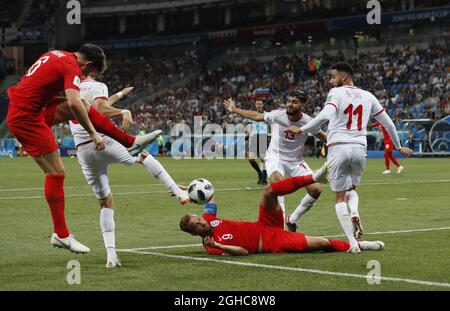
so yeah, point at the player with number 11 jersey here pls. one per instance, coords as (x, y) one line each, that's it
(348, 110)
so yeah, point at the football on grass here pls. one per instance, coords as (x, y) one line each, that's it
(200, 190)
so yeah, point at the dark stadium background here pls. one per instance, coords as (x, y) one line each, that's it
(185, 57)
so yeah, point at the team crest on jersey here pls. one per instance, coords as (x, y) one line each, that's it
(215, 223)
(58, 53)
(76, 81)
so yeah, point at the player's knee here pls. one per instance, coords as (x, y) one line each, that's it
(267, 190)
(315, 191)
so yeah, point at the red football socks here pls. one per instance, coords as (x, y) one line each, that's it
(107, 127)
(386, 160)
(54, 194)
(394, 160)
(291, 184)
(338, 246)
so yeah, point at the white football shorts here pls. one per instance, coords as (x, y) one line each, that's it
(347, 163)
(94, 164)
(294, 168)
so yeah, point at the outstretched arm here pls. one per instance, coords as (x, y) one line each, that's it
(386, 121)
(315, 123)
(230, 249)
(230, 105)
(106, 109)
(114, 98)
(320, 119)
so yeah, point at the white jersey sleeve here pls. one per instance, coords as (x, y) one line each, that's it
(273, 116)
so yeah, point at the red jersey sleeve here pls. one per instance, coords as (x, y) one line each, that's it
(72, 74)
(214, 251)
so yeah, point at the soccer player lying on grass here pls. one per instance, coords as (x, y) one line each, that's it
(267, 234)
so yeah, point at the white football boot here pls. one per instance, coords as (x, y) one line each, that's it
(400, 169)
(143, 141)
(320, 175)
(371, 246)
(357, 227)
(183, 198)
(385, 172)
(69, 243)
(113, 263)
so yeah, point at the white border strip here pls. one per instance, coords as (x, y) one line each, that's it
(323, 272)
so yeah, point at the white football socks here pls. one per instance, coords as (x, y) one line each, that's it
(353, 202)
(157, 170)
(306, 203)
(108, 227)
(281, 202)
(346, 224)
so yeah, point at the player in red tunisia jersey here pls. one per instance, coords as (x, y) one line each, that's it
(267, 234)
(388, 151)
(34, 108)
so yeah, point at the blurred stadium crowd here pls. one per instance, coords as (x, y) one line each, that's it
(409, 83)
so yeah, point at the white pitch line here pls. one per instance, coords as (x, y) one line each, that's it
(316, 271)
(329, 236)
(119, 186)
(119, 193)
(225, 189)
(369, 183)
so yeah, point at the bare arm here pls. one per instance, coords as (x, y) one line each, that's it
(322, 136)
(386, 121)
(230, 105)
(114, 98)
(230, 249)
(110, 112)
(80, 113)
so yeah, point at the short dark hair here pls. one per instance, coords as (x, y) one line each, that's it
(299, 94)
(184, 223)
(344, 67)
(95, 54)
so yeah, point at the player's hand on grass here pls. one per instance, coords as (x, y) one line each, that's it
(127, 90)
(230, 105)
(127, 120)
(209, 241)
(98, 141)
(293, 129)
(406, 151)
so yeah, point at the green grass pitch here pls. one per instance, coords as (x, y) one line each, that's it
(146, 216)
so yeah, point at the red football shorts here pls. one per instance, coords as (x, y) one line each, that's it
(274, 238)
(389, 147)
(32, 129)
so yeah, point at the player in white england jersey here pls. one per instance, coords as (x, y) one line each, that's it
(348, 110)
(95, 163)
(285, 153)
